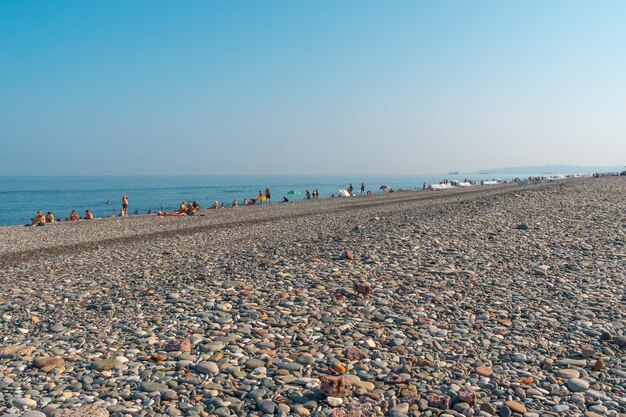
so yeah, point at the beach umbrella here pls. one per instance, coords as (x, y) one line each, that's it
(383, 187)
(294, 192)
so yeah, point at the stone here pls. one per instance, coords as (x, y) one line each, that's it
(106, 364)
(334, 386)
(48, 362)
(484, 370)
(363, 288)
(334, 401)
(437, 400)
(208, 368)
(267, 406)
(577, 385)
(467, 395)
(91, 410)
(620, 341)
(182, 345)
(515, 406)
(567, 373)
(154, 387)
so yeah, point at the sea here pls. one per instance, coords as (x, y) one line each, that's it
(21, 197)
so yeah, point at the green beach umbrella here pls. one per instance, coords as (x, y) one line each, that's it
(294, 192)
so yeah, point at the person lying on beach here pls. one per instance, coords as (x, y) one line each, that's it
(191, 210)
(38, 220)
(215, 205)
(50, 218)
(88, 215)
(285, 200)
(171, 213)
(235, 203)
(74, 216)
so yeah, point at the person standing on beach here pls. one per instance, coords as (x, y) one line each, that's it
(125, 204)
(362, 189)
(268, 194)
(308, 195)
(350, 189)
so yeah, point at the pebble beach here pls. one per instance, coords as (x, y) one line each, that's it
(488, 301)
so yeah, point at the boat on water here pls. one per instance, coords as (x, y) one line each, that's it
(453, 173)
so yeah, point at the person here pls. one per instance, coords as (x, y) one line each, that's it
(149, 211)
(362, 189)
(182, 208)
(50, 218)
(245, 201)
(350, 189)
(74, 216)
(285, 200)
(108, 202)
(317, 194)
(268, 194)
(308, 195)
(88, 215)
(424, 185)
(190, 210)
(216, 204)
(235, 203)
(125, 204)
(38, 220)
(260, 197)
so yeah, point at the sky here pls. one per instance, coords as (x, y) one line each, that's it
(317, 87)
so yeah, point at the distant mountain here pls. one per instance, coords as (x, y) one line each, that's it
(553, 169)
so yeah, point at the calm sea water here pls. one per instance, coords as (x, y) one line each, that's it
(22, 197)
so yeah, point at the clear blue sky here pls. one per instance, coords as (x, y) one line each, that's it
(283, 87)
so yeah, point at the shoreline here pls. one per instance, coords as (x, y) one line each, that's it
(65, 237)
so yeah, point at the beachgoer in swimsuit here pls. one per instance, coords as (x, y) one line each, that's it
(50, 218)
(235, 203)
(74, 216)
(125, 204)
(88, 215)
(38, 220)
(268, 194)
(308, 195)
(362, 189)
